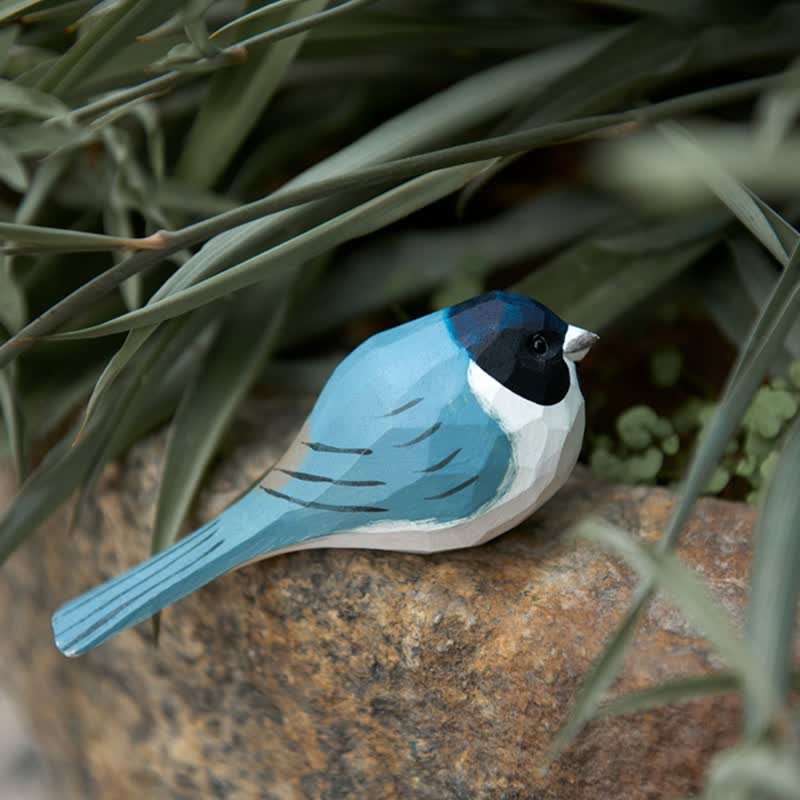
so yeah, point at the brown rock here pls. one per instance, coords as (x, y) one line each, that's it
(350, 674)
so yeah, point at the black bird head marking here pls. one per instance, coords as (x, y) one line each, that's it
(519, 342)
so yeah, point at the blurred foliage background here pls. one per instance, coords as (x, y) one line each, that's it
(201, 199)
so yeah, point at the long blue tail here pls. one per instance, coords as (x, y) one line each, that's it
(90, 619)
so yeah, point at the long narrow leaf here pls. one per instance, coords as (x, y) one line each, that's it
(231, 366)
(70, 462)
(775, 581)
(26, 100)
(468, 103)
(12, 171)
(235, 101)
(369, 176)
(678, 690)
(414, 262)
(687, 591)
(12, 417)
(57, 238)
(784, 308)
(11, 9)
(279, 263)
(117, 27)
(731, 192)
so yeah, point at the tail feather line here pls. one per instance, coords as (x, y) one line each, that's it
(92, 618)
(138, 573)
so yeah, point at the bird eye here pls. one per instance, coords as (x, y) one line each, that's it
(538, 344)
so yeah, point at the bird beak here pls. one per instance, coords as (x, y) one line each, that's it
(578, 342)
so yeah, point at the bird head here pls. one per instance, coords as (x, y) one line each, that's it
(521, 344)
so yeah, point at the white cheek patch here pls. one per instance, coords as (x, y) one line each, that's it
(542, 437)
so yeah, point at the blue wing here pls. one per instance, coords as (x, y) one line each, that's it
(397, 434)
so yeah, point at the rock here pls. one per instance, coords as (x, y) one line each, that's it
(365, 674)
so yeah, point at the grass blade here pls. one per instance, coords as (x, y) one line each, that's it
(748, 373)
(443, 115)
(754, 772)
(275, 7)
(688, 592)
(775, 578)
(26, 100)
(117, 27)
(235, 101)
(607, 280)
(279, 263)
(740, 200)
(231, 367)
(13, 419)
(134, 408)
(679, 690)
(11, 9)
(12, 170)
(244, 236)
(414, 262)
(603, 673)
(61, 238)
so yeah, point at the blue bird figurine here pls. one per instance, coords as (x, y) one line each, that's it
(441, 433)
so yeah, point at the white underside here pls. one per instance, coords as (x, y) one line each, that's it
(545, 443)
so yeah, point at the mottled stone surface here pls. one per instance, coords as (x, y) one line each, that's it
(350, 674)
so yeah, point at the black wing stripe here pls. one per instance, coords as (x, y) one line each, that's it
(409, 404)
(319, 447)
(424, 435)
(321, 506)
(443, 463)
(307, 476)
(454, 490)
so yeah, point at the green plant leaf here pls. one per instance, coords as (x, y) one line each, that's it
(458, 108)
(231, 367)
(8, 36)
(235, 101)
(775, 579)
(13, 419)
(754, 771)
(678, 690)
(133, 408)
(702, 160)
(768, 412)
(602, 674)
(666, 366)
(12, 170)
(639, 56)
(754, 359)
(278, 7)
(414, 262)
(27, 100)
(469, 103)
(738, 199)
(606, 283)
(279, 263)
(777, 110)
(13, 308)
(47, 487)
(118, 26)
(369, 176)
(306, 23)
(67, 240)
(688, 592)
(11, 9)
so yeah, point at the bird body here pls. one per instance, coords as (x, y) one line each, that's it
(438, 434)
